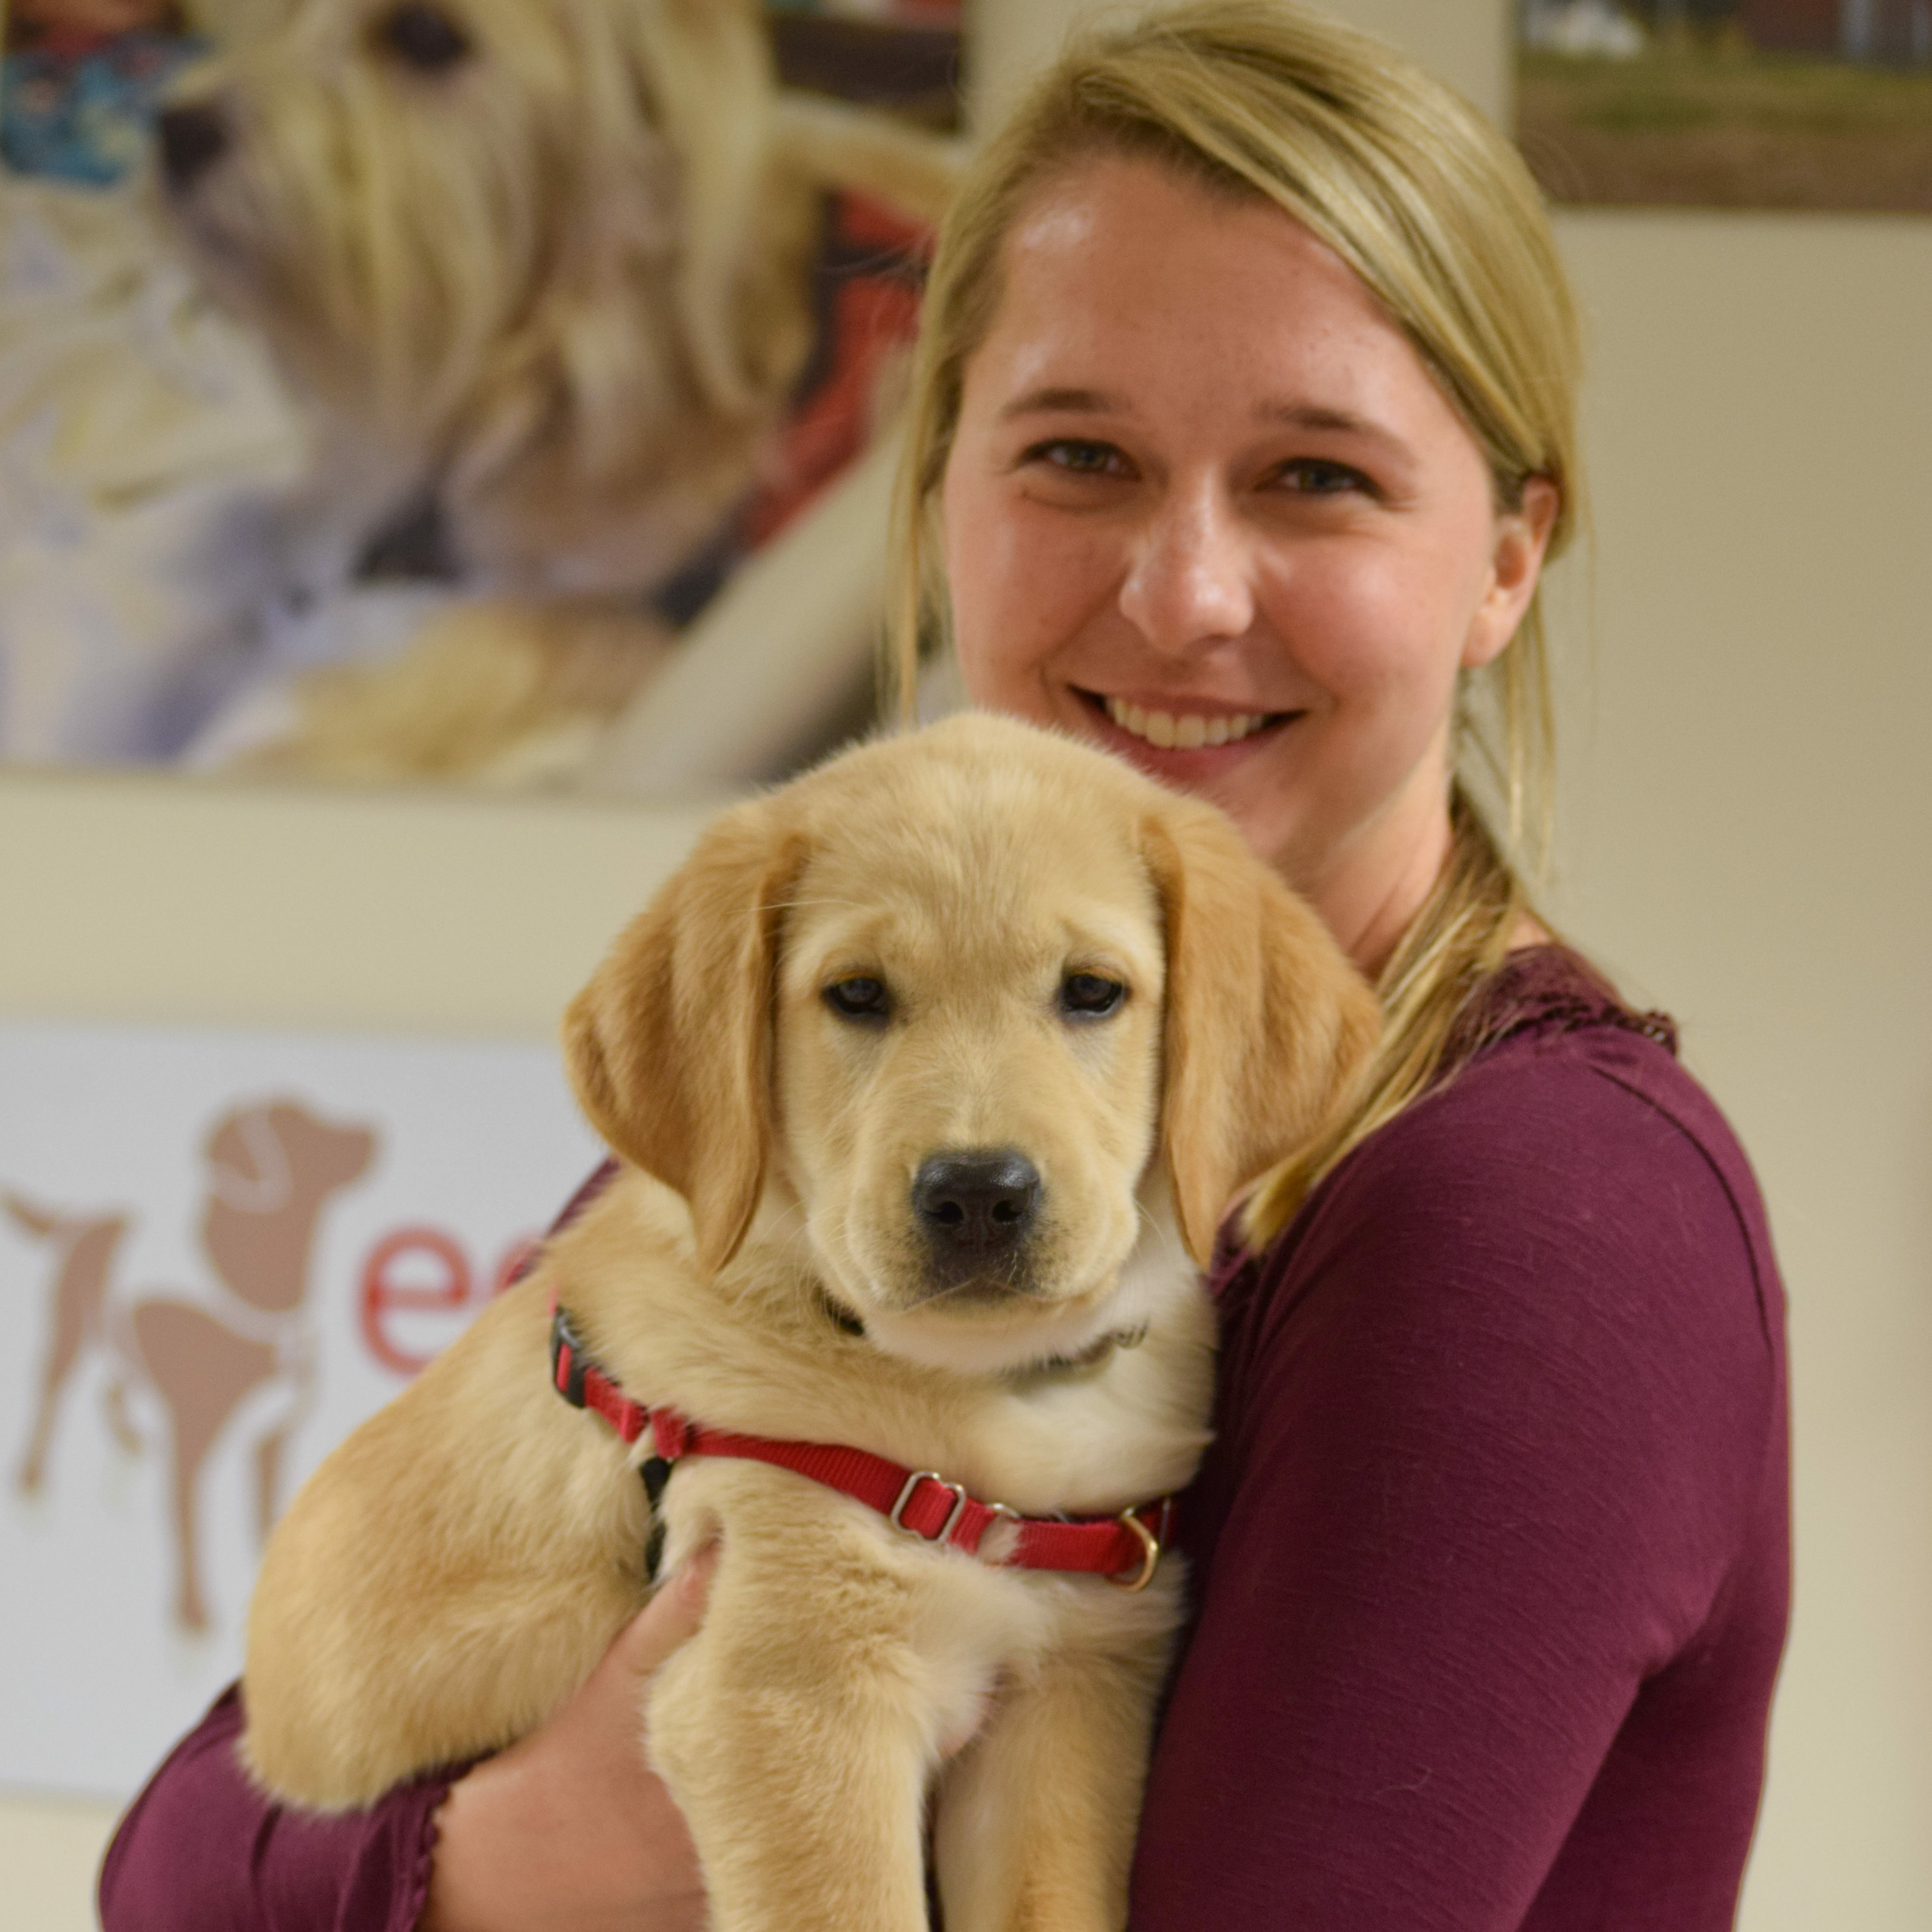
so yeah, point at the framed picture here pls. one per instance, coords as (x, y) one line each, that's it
(308, 473)
(1728, 104)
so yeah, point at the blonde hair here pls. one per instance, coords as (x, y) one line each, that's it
(1436, 214)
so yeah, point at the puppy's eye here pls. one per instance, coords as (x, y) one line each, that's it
(860, 999)
(1089, 996)
(424, 37)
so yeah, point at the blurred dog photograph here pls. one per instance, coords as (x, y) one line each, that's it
(542, 273)
(930, 1077)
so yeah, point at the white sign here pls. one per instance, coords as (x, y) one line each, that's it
(219, 1252)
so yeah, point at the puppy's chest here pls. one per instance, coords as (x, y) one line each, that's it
(845, 1579)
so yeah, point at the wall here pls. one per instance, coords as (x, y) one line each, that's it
(1465, 41)
(1748, 804)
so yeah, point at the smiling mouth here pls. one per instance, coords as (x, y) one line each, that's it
(1185, 730)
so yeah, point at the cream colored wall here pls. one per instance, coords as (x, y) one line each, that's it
(1465, 41)
(1749, 809)
(1748, 797)
(146, 898)
(49, 1851)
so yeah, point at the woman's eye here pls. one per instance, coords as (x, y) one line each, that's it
(1080, 459)
(423, 37)
(860, 999)
(1312, 476)
(1089, 996)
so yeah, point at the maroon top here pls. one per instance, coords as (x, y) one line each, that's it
(1494, 1535)
(1492, 1548)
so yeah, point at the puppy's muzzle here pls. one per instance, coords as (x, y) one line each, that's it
(192, 138)
(977, 1209)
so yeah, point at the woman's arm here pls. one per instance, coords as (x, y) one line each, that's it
(567, 1828)
(1494, 1587)
(201, 1850)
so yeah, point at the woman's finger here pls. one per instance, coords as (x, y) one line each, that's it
(569, 1830)
(673, 1615)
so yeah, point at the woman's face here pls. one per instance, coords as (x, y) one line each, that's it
(1206, 508)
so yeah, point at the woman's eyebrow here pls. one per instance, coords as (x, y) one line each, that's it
(1318, 416)
(1049, 401)
(1076, 402)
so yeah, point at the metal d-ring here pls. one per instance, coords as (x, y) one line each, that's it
(1149, 1555)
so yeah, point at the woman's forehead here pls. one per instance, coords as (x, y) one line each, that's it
(1123, 282)
(1119, 262)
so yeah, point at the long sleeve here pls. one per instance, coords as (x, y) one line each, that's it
(1491, 1554)
(201, 1850)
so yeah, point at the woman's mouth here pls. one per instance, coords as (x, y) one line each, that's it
(1186, 730)
(1181, 729)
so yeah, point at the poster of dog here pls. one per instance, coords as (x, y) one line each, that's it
(572, 306)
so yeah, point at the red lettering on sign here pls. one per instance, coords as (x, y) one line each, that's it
(393, 1281)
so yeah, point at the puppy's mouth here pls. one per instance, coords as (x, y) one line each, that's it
(1211, 736)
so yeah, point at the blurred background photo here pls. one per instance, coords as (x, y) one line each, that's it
(1729, 104)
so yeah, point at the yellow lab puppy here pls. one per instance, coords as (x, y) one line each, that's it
(931, 1076)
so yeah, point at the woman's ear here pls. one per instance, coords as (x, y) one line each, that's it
(1267, 1021)
(1522, 540)
(670, 1045)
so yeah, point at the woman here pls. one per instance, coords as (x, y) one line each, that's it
(1242, 427)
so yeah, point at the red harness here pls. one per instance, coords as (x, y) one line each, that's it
(921, 1503)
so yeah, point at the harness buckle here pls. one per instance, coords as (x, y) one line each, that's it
(895, 1515)
(1150, 1552)
(567, 1362)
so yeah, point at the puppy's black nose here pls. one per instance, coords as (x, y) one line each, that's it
(974, 1203)
(193, 139)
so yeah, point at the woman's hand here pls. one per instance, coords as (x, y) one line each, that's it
(569, 1828)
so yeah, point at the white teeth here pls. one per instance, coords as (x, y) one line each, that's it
(1165, 730)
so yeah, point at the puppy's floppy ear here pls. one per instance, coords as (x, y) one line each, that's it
(1267, 1021)
(670, 1045)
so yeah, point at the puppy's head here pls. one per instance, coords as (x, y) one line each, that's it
(488, 235)
(979, 1000)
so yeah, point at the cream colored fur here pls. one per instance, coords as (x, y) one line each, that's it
(564, 281)
(453, 1571)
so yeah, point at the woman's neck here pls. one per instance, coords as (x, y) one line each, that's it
(1370, 902)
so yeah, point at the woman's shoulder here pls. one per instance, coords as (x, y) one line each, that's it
(1569, 1161)
(1561, 1083)
(1550, 1271)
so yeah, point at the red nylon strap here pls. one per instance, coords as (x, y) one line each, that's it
(928, 1505)
(629, 1419)
(579, 1380)
(920, 1502)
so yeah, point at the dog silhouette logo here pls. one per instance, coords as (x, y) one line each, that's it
(272, 1167)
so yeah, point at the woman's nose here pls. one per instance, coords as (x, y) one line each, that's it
(1189, 579)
